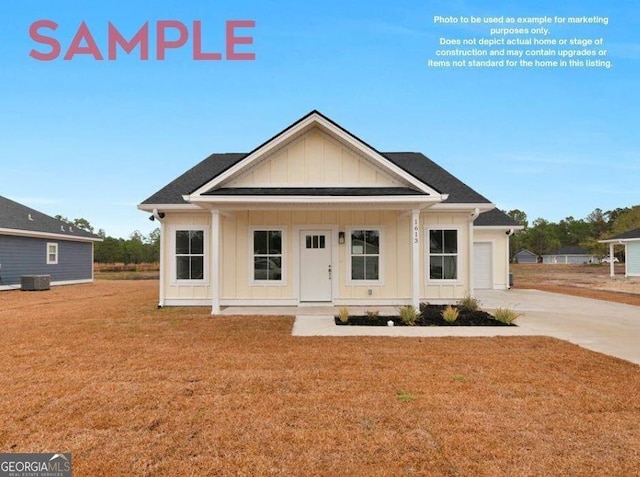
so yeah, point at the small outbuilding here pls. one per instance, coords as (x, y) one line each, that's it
(571, 255)
(525, 256)
(631, 242)
(40, 250)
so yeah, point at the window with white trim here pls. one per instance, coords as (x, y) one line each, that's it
(443, 254)
(52, 253)
(267, 255)
(189, 254)
(365, 255)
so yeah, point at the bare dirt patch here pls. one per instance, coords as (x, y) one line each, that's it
(591, 281)
(128, 389)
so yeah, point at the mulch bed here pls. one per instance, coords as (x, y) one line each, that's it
(430, 315)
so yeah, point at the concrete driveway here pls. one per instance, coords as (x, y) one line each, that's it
(606, 327)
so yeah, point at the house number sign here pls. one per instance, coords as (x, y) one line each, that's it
(416, 231)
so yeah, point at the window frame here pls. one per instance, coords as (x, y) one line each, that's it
(204, 281)
(48, 254)
(458, 254)
(349, 259)
(283, 256)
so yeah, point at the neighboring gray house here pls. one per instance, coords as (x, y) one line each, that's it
(631, 242)
(32, 243)
(525, 256)
(571, 255)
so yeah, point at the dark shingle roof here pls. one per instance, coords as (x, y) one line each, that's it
(16, 216)
(495, 218)
(416, 164)
(194, 178)
(427, 171)
(631, 234)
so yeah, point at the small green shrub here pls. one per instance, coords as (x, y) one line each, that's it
(423, 306)
(343, 314)
(450, 314)
(404, 396)
(506, 315)
(408, 315)
(372, 314)
(468, 303)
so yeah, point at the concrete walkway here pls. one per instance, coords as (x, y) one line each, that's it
(606, 327)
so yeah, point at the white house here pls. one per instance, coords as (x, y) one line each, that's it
(631, 242)
(572, 255)
(316, 215)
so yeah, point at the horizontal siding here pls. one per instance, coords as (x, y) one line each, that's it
(28, 256)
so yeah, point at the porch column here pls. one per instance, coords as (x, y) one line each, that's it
(214, 272)
(163, 241)
(415, 258)
(612, 268)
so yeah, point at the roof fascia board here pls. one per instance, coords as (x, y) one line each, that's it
(171, 207)
(483, 207)
(34, 234)
(620, 241)
(499, 227)
(312, 199)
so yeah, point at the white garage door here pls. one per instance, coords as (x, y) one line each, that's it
(482, 265)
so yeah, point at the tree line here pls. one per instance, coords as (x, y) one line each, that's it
(138, 248)
(543, 237)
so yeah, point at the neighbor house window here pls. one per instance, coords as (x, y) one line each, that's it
(443, 254)
(267, 255)
(52, 254)
(365, 255)
(190, 254)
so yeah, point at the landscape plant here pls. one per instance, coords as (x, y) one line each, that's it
(450, 314)
(506, 315)
(409, 315)
(343, 314)
(468, 303)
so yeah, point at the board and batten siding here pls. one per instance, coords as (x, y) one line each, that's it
(28, 256)
(195, 293)
(445, 289)
(633, 259)
(500, 243)
(315, 159)
(236, 253)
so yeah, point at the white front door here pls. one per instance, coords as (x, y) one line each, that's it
(483, 265)
(315, 265)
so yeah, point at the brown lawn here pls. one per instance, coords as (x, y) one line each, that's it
(591, 281)
(130, 390)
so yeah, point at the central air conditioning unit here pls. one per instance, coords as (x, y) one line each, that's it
(35, 282)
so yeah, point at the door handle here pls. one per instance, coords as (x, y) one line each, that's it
(329, 272)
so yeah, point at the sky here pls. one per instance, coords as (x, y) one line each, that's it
(92, 139)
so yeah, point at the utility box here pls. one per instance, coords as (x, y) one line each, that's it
(35, 282)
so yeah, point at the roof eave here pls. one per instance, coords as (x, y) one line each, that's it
(49, 235)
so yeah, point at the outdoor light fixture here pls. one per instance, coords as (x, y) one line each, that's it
(340, 237)
(156, 215)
